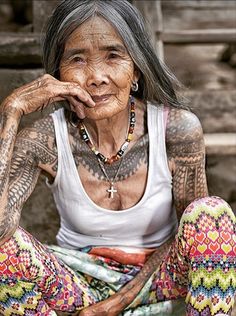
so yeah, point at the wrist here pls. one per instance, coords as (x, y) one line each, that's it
(9, 108)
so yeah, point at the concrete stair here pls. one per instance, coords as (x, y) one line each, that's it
(221, 165)
(220, 144)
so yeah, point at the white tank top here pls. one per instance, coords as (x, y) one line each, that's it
(148, 224)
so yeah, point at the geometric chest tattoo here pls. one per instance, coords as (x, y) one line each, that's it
(136, 156)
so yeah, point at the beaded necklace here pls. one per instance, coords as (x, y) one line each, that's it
(85, 136)
(102, 160)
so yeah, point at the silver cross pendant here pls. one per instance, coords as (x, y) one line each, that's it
(111, 191)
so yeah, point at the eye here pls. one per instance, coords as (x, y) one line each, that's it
(78, 59)
(113, 55)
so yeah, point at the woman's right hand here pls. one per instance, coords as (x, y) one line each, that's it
(45, 90)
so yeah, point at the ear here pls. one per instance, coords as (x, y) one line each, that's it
(136, 75)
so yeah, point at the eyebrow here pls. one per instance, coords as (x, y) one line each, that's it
(74, 51)
(116, 47)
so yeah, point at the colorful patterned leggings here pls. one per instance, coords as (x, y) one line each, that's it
(200, 266)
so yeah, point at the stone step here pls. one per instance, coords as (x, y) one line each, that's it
(215, 109)
(221, 166)
(213, 36)
(20, 49)
(220, 144)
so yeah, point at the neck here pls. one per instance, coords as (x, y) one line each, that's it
(109, 134)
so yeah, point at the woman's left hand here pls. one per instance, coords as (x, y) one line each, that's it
(115, 304)
(112, 306)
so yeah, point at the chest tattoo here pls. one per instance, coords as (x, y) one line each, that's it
(132, 160)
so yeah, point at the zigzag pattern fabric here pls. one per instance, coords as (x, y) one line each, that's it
(211, 247)
(203, 259)
(200, 267)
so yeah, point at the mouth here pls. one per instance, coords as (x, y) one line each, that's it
(101, 98)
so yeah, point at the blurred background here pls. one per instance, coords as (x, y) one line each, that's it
(195, 38)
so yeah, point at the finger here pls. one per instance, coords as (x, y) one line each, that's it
(80, 113)
(41, 92)
(77, 107)
(50, 101)
(52, 87)
(76, 91)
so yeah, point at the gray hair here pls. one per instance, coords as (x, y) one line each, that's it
(156, 81)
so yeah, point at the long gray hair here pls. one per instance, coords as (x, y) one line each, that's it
(156, 81)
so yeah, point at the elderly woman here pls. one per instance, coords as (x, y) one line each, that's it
(125, 163)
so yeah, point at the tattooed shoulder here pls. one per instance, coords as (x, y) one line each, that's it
(182, 124)
(183, 133)
(38, 141)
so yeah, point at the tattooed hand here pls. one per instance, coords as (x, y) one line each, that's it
(39, 93)
(115, 304)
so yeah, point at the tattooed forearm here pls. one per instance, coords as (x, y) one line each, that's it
(21, 157)
(21, 183)
(148, 269)
(9, 121)
(119, 301)
(23, 177)
(186, 151)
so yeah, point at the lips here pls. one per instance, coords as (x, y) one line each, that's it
(100, 98)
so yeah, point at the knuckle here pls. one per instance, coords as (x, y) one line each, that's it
(47, 80)
(15, 92)
(46, 76)
(48, 85)
(72, 85)
(86, 97)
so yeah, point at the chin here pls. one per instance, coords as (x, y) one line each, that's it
(101, 113)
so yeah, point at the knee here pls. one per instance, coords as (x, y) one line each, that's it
(211, 207)
(205, 216)
(20, 238)
(17, 253)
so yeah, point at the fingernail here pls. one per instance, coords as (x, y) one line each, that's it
(92, 103)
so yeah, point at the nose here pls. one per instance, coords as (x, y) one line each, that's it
(97, 76)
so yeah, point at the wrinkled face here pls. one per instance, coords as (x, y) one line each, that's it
(95, 57)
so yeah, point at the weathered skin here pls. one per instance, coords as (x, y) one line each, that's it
(92, 66)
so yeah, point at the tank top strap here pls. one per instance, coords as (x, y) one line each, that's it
(65, 157)
(157, 143)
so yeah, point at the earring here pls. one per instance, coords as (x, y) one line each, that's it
(134, 86)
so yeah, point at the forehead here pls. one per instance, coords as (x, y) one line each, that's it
(94, 31)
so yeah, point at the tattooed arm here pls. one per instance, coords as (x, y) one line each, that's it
(115, 304)
(186, 153)
(20, 167)
(34, 150)
(9, 121)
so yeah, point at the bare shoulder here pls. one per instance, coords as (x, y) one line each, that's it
(38, 141)
(184, 138)
(182, 127)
